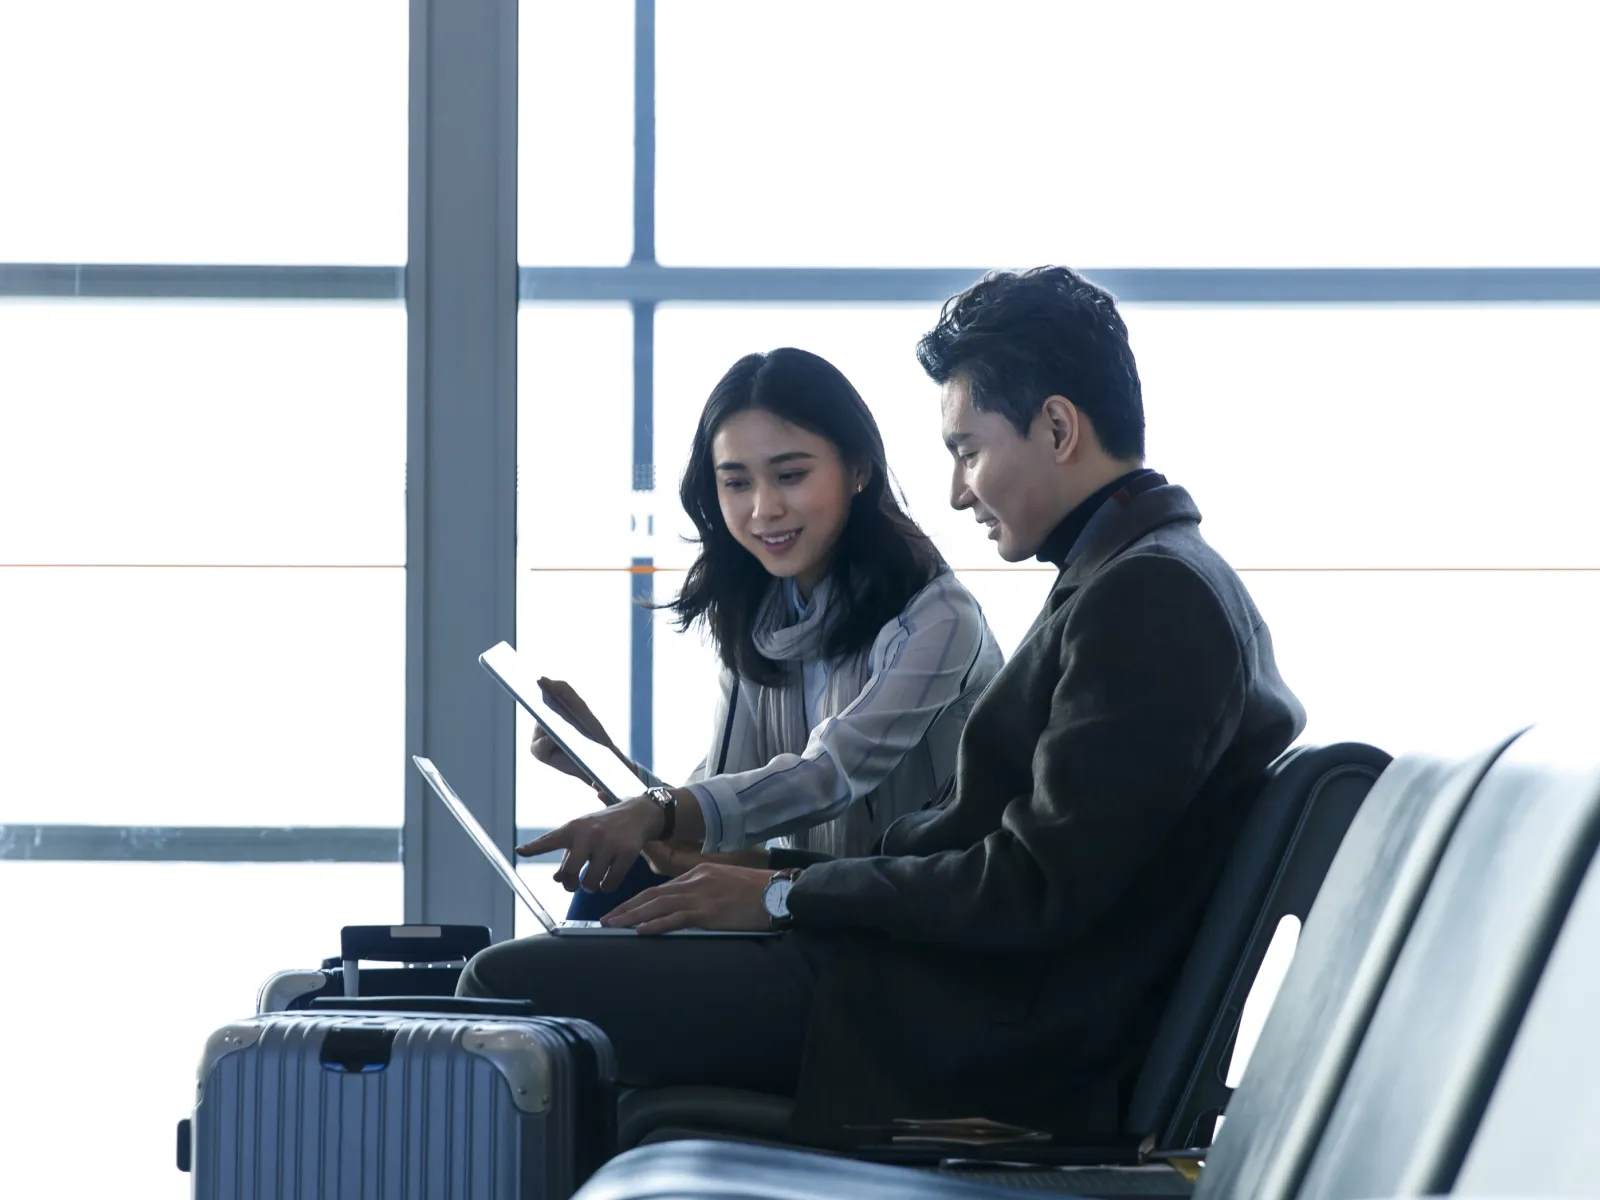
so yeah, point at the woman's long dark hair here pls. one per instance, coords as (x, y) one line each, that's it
(882, 558)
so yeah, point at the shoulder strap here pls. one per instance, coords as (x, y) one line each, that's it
(727, 728)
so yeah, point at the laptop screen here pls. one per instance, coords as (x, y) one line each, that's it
(478, 834)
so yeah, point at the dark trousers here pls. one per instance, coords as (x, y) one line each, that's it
(720, 1011)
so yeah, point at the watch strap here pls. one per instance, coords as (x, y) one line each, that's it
(776, 923)
(669, 811)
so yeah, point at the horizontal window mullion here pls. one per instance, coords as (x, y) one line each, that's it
(823, 285)
(156, 281)
(205, 843)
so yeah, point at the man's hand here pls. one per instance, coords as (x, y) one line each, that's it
(607, 842)
(710, 896)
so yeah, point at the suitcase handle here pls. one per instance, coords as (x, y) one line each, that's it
(411, 943)
(470, 1006)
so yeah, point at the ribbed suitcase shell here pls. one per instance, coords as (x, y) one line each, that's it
(469, 1108)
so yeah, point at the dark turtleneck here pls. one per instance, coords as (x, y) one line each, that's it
(1058, 542)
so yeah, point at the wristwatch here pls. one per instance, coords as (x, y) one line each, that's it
(669, 811)
(776, 898)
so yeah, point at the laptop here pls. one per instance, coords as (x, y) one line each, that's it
(602, 766)
(508, 872)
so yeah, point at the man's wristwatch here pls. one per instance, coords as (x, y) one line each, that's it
(776, 898)
(669, 811)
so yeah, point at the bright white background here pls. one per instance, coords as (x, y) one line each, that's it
(203, 504)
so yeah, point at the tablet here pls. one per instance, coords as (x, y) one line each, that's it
(601, 765)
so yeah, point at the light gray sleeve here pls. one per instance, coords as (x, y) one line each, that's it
(920, 664)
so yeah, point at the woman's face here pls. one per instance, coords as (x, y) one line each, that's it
(785, 493)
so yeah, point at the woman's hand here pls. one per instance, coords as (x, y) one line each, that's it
(709, 896)
(562, 697)
(607, 842)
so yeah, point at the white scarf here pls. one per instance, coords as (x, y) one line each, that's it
(781, 725)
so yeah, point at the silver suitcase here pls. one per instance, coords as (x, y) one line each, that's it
(376, 1106)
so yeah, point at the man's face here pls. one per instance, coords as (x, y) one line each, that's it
(1012, 484)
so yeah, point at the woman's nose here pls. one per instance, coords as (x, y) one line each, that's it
(768, 503)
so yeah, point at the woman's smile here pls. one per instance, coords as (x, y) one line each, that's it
(779, 543)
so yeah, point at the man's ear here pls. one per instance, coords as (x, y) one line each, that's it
(1065, 424)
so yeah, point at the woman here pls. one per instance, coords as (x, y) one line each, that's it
(851, 655)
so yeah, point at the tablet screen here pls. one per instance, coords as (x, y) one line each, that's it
(602, 765)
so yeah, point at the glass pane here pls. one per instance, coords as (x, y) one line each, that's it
(936, 132)
(191, 131)
(1380, 437)
(203, 696)
(202, 433)
(575, 132)
(1377, 441)
(1434, 661)
(1268, 982)
(114, 989)
(575, 506)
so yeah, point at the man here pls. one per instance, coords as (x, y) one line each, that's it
(1010, 952)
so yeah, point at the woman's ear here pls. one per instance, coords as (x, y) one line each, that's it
(860, 478)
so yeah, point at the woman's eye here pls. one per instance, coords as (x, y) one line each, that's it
(733, 485)
(792, 476)
(965, 457)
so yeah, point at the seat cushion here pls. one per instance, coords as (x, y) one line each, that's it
(645, 1114)
(732, 1171)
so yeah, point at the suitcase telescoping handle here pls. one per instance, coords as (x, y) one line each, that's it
(406, 944)
(412, 943)
(464, 1006)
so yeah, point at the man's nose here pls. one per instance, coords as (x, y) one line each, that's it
(960, 494)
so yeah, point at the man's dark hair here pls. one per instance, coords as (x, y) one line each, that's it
(1020, 337)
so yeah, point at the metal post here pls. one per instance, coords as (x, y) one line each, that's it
(461, 301)
(641, 579)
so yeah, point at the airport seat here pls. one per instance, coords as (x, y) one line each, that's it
(1283, 854)
(1408, 1117)
(1351, 939)
(1411, 1104)
(1537, 1134)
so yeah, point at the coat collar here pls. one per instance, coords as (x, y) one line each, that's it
(1060, 541)
(1133, 511)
